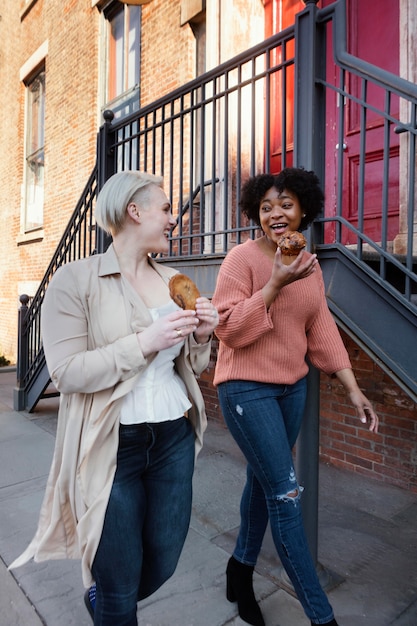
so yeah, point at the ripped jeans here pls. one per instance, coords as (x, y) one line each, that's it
(264, 419)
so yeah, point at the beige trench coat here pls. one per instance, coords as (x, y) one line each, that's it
(89, 325)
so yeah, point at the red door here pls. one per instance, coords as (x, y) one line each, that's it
(278, 15)
(372, 35)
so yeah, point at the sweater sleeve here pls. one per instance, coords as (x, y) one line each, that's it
(243, 316)
(326, 349)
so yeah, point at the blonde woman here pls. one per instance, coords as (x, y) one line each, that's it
(125, 358)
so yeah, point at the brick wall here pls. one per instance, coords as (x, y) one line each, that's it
(167, 54)
(69, 32)
(391, 455)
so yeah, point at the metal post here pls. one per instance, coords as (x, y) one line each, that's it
(309, 152)
(309, 134)
(307, 459)
(307, 448)
(105, 169)
(310, 40)
(19, 394)
(307, 468)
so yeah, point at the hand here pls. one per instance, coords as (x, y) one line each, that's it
(282, 275)
(167, 331)
(364, 409)
(208, 319)
(358, 399)
(302, 266)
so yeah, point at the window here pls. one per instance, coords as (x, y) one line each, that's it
(123, 58)
(34, 151)
(198, 26)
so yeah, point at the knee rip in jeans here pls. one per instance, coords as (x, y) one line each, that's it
(294, 494)
(291, 496)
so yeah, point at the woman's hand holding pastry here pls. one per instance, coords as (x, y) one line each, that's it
(208, 319)
(167, 331)
(186, 295)
(283, 274)
(302, 266)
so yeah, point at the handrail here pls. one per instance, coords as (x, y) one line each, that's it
(389, 84)
(398, 85)
(267, 44)
(77, 242)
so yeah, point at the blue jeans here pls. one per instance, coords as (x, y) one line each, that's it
(147, 517)
(265, 419)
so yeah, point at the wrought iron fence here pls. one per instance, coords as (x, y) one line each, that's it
(370, 161)
(206, 137)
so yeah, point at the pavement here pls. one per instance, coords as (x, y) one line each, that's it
(367, 541)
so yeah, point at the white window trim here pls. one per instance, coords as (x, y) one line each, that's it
(34, 61)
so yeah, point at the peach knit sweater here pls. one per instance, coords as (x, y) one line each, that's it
(271, 345)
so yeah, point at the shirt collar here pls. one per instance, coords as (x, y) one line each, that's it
(109, 264)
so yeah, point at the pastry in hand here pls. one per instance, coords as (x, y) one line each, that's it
(291, 244)
(183, 291)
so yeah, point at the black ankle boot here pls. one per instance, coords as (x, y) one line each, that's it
(240, 589)
(332, 623)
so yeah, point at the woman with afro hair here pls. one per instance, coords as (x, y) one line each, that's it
(272, 317)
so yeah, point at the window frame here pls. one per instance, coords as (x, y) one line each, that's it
(124, 98)
(34, 152)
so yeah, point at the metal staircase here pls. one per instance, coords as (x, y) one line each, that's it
(378, 320)
(211, 134)
(77, 242)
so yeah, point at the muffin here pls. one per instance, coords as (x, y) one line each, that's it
(291, 243)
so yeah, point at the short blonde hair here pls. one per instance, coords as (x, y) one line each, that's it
(117, 193)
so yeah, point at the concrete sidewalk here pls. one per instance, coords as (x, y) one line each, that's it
(367, 537)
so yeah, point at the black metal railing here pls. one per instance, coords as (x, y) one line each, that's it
(371, 100)
(208, 136)
(77, 242)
